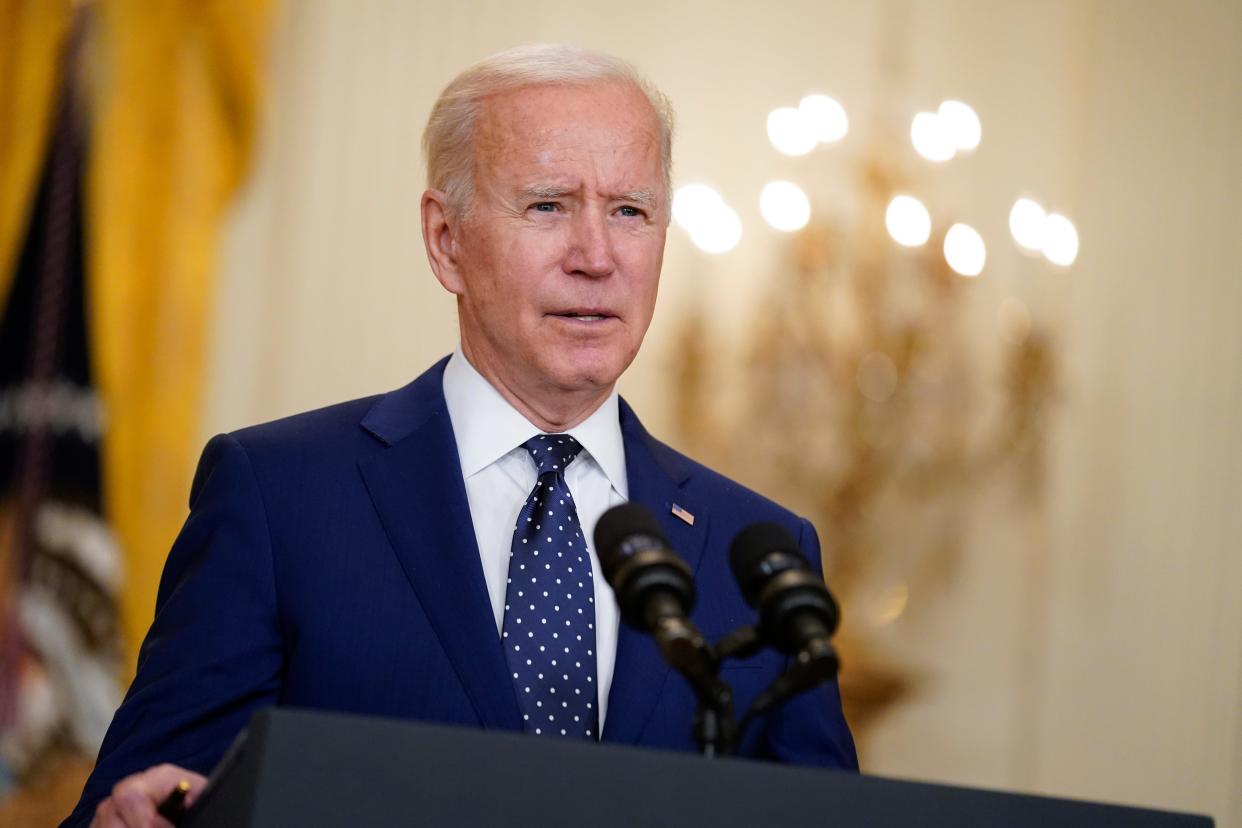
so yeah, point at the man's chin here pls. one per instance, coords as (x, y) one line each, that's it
(584, 373)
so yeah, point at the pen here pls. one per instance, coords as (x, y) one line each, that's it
(173, 806)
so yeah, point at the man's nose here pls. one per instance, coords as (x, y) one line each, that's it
(590, 245)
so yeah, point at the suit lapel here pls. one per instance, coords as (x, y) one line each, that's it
(416, 487)
(656, 475)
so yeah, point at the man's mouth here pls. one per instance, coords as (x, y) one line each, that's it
(584, 315)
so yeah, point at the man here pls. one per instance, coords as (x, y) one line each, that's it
(383, 556)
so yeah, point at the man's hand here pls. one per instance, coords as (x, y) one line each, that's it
(135, 798)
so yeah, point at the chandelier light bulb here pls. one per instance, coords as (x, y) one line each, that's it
(720, 233)
(692, 201)
(1013, 320)
(1028, 224)
(908, 221)
(784, 206)
(826, 117)
(714, 226)
(964, 250)
(930, 138)
(1060, 240)
(961, 123)
(876, 377)
(790, 131)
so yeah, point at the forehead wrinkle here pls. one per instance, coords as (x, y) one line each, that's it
(510, 145)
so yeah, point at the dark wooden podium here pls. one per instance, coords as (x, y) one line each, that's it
(298, 768)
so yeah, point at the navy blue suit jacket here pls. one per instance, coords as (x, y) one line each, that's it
(329, 561)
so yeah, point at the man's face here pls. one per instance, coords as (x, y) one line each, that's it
(559, 254)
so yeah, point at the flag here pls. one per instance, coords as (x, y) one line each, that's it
(118, 159)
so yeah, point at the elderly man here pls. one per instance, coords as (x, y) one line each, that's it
(427, 554)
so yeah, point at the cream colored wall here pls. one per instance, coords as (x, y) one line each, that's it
(1144, 650)
(1095, 650)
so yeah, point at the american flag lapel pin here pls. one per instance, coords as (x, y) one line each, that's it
(681, 513)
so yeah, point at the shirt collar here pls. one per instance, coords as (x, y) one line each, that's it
(487, 427)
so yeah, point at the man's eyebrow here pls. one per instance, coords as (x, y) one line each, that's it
(542, 192)
(643, 197)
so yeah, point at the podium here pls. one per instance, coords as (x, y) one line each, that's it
(302, 768)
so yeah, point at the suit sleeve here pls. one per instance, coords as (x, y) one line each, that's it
(811, 728)
(213, 654)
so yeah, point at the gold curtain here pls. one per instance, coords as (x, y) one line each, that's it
(32, 33)
(175, 90)
(171, 90)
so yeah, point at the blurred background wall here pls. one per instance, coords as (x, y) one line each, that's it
(1079, 636)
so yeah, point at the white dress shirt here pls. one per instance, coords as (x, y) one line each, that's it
(500, 475)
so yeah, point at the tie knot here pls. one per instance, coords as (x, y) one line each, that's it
(552, 452)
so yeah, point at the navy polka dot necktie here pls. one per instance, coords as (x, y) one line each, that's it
(549, 603)
(549, 622)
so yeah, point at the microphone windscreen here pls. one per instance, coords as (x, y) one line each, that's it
(751, 546)
(621, 522)
(638, 564)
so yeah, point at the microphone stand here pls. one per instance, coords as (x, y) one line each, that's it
(814, 665)
(689, 653)
(715, 728)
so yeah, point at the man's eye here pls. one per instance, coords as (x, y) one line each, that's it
(630, 212)
(545, 206)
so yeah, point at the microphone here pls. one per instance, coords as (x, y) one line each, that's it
(654, 587)
(797, 614)
(655, 592)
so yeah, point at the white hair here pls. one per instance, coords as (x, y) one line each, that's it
(448, 139)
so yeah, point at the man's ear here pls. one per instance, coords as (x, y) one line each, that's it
(441, 226)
